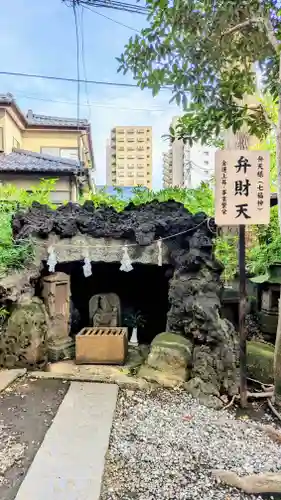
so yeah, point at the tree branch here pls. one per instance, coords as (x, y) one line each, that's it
(266, 22)
(270, 33)
(248, 22)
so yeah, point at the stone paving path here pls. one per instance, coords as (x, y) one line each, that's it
(69, 464)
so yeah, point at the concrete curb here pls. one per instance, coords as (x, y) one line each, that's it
(8, 377)
(132, 384)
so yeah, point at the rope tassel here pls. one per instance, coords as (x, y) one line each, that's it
(126, 261)
(87, 267)
(160, 252)
(52, 260)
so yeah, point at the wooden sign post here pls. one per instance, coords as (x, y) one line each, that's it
(242, 198)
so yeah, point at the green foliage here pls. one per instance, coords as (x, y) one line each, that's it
(17, 255)
(200, 199)
(206, 55)
(4, 314)
(134, 320)
(269, 143)
(226, 251)
(268, 248)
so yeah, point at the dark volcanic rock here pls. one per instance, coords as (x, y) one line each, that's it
(195, 286)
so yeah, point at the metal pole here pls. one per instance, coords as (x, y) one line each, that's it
(242, 314)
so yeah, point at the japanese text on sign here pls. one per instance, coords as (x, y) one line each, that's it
(242, 187)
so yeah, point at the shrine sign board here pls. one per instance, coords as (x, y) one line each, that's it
(242, 187)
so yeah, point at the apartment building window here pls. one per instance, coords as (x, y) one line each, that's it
(131, 139)
(131, 165)
(148, 130)
(140, 157)
(120, 148)
(140, 165)
(130, 131)
(140, 139)
(131, 157)
(120, 174)
(121, 157)
(140, 174)
(120, 139)
(130, 174)
(131, 148)
(121, 131)
(140, 148)
(140, 131)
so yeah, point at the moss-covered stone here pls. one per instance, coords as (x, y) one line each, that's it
(260, 358)
(168, 361)
(172, 341)
(23, 343)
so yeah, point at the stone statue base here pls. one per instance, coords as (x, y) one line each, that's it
(61, 349)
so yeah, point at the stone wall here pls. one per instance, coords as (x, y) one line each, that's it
(195, 287)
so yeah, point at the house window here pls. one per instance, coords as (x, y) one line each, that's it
(206, 163)
(16, 143)
(70, 153)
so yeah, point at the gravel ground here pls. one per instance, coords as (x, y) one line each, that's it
(164, 445)
(27, 409)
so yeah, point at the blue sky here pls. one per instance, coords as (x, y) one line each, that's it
(38, 36)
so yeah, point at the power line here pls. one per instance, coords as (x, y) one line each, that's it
(84, 62)
(110, 18)
(75, 80)
(96, 104)
(78, 74)
(112, 4)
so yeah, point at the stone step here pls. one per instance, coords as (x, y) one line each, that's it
(69, 464)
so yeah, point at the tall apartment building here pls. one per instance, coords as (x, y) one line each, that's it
(129, 157)
(186, 166)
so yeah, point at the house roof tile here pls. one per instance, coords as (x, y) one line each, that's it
(26, 161)
(33, 119)
(55, 121)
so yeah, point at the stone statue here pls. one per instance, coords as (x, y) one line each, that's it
(104, 310)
